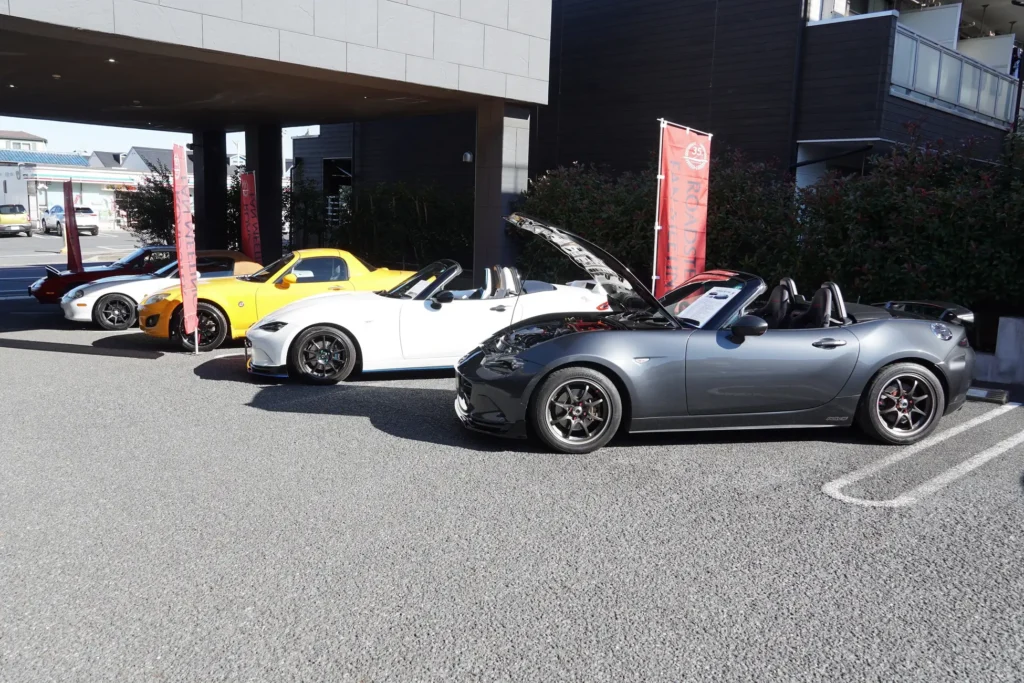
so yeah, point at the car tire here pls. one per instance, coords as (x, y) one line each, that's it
(28, 233)
(60, 229)
(902, 404)
(323, 355)
(570, 405)
(115, 312)
(213, 328)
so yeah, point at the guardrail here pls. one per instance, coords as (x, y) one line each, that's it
(936, 74)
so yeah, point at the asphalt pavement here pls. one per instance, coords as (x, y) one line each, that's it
(165, 517)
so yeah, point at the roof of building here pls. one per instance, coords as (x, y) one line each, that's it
(15, 156)
(109, 159)
(20, 135)
(157, 158)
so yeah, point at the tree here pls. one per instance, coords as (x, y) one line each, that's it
(149, 210)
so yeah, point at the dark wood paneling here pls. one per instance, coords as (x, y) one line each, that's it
(935, 125)
(725, 66)
(424, 150)
(845, 78)
(334, 142)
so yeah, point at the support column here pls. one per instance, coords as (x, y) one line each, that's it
(263, 156)
(502, 170)
(210, 169)
(809, 174)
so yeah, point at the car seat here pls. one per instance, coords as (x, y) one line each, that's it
(513, 283)
(776, 312)
(819, 313)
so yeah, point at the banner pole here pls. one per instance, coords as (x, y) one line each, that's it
(657, 207)
(197, 341)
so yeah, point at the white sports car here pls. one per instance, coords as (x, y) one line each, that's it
(420, 324)
(112, 302)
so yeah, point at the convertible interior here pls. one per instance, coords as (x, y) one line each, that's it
(786, 309)
(501, 282)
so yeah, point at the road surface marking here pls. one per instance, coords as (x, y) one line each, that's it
(835, 487)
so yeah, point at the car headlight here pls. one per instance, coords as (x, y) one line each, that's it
(155, 299)
(942, 331)
(502, 364)
(78, 294)
(273, 327)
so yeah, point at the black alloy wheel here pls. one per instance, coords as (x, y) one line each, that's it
(902, 405)
(115, 312)
(212, 327)
(576, 410)
(323, 355)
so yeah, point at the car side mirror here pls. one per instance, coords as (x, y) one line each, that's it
(441, 298)
(749, 326)
(289, 280)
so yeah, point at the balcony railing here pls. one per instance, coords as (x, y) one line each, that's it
(927, 71)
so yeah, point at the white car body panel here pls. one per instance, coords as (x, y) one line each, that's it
(403, 334)
(135, 287)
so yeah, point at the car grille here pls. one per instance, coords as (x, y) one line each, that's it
(464, 388)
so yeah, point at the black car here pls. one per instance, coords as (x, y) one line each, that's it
(714, 354)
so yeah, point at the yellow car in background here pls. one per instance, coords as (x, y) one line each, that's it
(14, 219)
(229, 307)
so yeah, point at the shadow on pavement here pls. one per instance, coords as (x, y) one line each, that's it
(741, 436)
(232, 369)
(24, 315)
(95, 350)
(135, 342)
(407, 413)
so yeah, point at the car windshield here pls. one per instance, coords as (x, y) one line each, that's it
(267, 272)
(129, 258)
(8, 209)
(427, 279)
(167, 271)
(698, 300)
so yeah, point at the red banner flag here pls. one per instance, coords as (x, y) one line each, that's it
(251, 246)
(185, 239)
(682, 207)
(71, 230)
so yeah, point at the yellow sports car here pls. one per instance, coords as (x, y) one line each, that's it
(228, 307)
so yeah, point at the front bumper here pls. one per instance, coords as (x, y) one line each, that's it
(258, 364)
(959, 371)
(489, 402)
(46, 291)
(155, 319)
(78, 310)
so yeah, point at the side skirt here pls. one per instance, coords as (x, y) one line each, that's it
(837, 413)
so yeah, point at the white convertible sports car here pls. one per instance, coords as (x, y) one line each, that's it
(420, 324)
(112, 302)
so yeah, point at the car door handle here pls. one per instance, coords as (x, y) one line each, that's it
(829, 343)
(500, 309)
(334, 289)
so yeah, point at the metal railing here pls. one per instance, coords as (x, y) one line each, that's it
(930, 72)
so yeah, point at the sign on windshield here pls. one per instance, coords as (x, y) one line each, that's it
(704, 308)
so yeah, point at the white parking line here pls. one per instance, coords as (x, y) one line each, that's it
(834, 488)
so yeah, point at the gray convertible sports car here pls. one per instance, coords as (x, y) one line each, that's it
(714, 354)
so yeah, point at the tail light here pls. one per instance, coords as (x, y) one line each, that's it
(604, 307)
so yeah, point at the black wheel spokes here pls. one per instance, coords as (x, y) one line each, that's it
(116, 312)
(577, 411)
(905, 405)
(324, 355)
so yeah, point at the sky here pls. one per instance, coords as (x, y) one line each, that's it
(78, 137)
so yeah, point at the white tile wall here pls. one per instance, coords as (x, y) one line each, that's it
(227, 9)
(95, 15)
(289, 15)
(506, 51)
(405, 29)
(146, 20)
(491, 12)
(371, 61)
(492, 47)
(432, 72)
(353, 21)
(459, 41)
(241, 38)
(298, 48)
(443, 6)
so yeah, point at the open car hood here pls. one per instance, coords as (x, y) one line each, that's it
(624, 291)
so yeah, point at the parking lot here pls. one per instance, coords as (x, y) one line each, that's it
(165, 517)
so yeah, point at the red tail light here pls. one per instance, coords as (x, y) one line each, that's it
(604, 306)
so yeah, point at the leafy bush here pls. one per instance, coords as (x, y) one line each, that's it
(149, 210)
